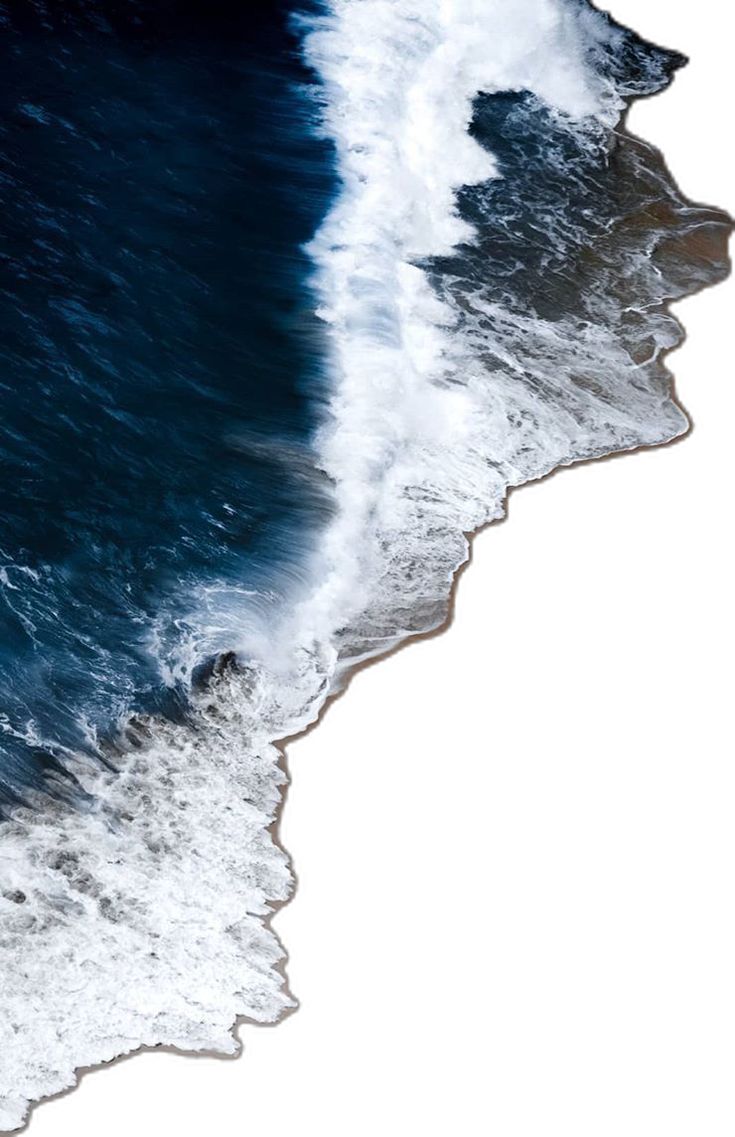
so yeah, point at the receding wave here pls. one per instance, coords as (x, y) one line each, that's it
(493, 280)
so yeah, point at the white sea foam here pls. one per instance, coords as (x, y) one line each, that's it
(142, 919)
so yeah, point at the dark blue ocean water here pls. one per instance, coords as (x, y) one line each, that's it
(158, 349)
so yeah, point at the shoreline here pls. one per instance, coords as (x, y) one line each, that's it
(346, 680)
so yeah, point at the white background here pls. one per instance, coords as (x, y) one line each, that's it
(516, 842)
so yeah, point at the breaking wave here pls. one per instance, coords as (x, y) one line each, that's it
(493, 279)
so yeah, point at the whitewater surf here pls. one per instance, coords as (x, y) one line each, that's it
(306, 296)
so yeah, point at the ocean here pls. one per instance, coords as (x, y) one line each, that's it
(291, 297)
(159, 357)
